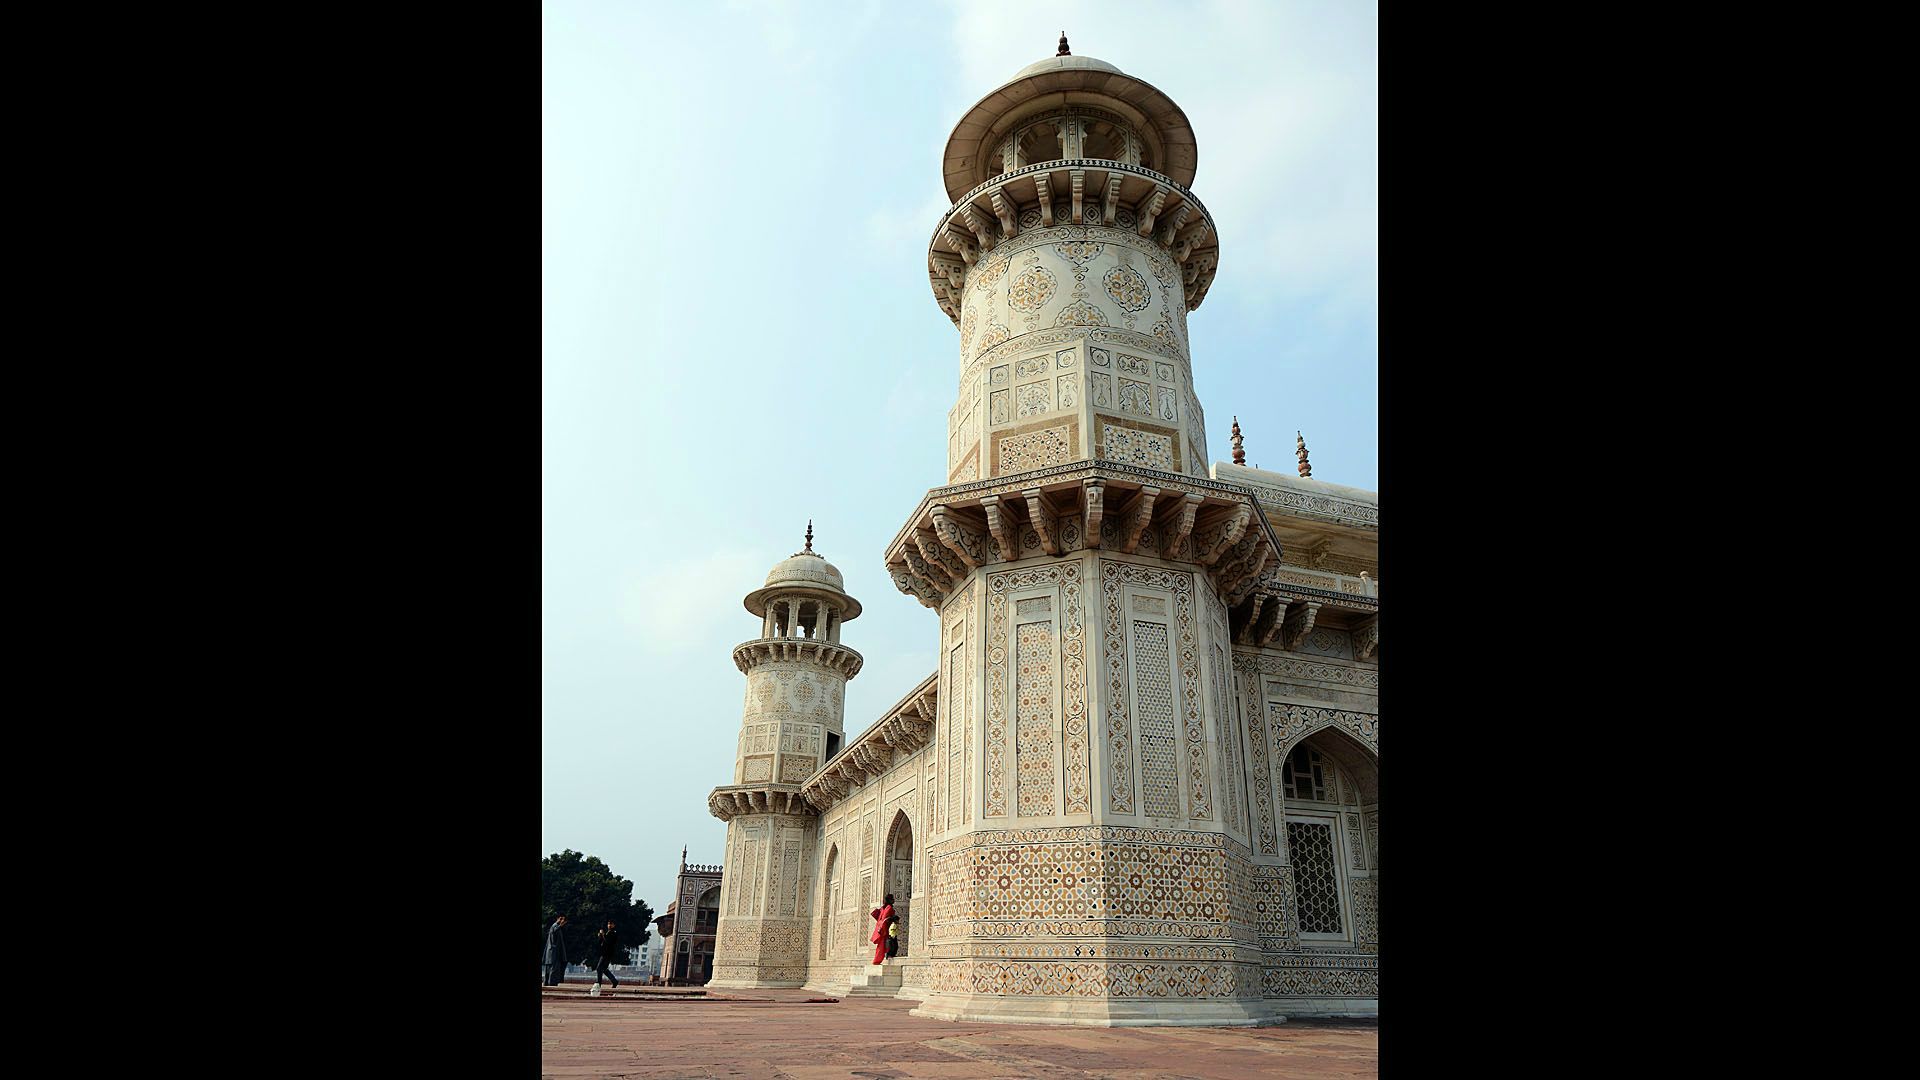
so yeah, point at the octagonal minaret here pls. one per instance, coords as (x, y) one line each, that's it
(791, 723)
(1068, 263)
(1090, 837)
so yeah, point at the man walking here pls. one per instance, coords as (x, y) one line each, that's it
(609, 952)
(556, 954)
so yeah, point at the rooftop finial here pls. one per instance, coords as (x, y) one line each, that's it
(1300, 451)
(809, 547)
(1063, 45)
(683, 856)
(1239, 452)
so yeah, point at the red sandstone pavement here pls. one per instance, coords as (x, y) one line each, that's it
(776, 1034)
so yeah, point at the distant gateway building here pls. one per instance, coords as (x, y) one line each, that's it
(1142, 786)
(687, 927)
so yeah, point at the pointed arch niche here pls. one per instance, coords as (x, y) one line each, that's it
(1330, 786)
(899, 879)
(829, 902)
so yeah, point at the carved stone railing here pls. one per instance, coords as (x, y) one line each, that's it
(830, 654)
(900, 731)
(988, 215)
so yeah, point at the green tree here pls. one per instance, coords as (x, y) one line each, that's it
(588, 893)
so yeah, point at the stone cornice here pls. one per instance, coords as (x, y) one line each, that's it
(1164, 211)
(1316, 505)
(900, 731)
(827, 654)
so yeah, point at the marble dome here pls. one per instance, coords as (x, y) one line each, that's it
(806, 568)
(808, 575)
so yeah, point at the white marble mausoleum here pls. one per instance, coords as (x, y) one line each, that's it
(1142, 786)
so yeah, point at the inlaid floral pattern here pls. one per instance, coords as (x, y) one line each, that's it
(1031, 289)
(1127, 288)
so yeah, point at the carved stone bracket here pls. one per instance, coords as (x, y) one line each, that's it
(1079, 177)
(981, 230)
(1172, 225)
(1004, 210)
(1299, 625)
(967, 543)
(1366, 637)
(936, 552)
(1138, 515)
(1000, 527)
(916, 586)
(1040, 183)
(969, 254)
(1181, 525)
(1113, 198)
(1210, 547)
(1045, 521)
(935, 574)
(1276, 614)
(1096, 492)
(1241, 578)
(1244, 635)
(1152, 210)
(1194, 237)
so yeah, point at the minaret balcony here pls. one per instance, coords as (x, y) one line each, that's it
(1074, 191)
(828, 654)
(762, 798)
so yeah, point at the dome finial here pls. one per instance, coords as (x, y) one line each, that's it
(808, 550)
(1239, 451)
(1300, 451)
(1063, 45)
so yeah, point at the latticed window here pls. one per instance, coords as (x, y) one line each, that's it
(1308, 776)
(1316, 884)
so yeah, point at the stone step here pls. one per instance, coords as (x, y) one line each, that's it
(879, 980)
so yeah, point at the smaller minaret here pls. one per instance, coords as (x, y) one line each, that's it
(1300, 451)
(791, 723)
(1239, 451)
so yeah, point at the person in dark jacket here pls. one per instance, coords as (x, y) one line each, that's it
(609, 955)
(556, 954)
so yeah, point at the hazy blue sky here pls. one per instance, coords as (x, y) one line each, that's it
(738, 334)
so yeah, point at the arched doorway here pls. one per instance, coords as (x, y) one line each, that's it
(706, 923)
(899, 877)
(829, 901)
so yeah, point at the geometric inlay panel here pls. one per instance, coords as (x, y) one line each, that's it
(1153, 690)
(1033, 718)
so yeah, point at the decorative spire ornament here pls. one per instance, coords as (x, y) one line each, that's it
(1239, 451)
(809, 548)
(1300, 451)
(1063, 45)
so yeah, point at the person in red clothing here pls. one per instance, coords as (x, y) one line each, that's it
(882, 916)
